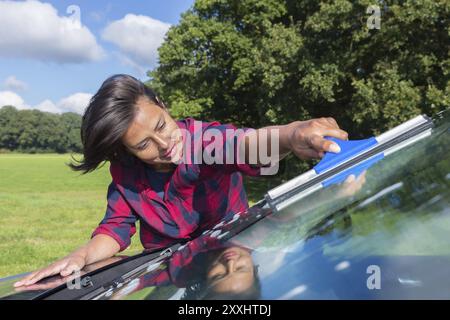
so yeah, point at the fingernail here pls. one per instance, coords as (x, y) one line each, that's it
(334, 148)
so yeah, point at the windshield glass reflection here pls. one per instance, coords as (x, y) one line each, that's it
(383, 234)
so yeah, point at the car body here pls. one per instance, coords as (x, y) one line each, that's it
(386, 238)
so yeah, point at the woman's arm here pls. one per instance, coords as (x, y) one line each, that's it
(98, 248)
(304, 138)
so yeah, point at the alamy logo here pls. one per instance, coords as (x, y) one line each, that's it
(75, 16)
(226, 146)
(374, 280)
(74, 281)
(374, 21)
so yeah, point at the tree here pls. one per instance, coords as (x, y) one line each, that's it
(260, 62)
(72, 123)
(37, 131)
(8, 133)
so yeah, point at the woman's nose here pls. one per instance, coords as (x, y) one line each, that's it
(231, 265)
(162, 142)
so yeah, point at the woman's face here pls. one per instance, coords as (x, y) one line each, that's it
(232, 271)
(154, 136)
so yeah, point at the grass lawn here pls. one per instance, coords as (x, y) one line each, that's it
(47, 210)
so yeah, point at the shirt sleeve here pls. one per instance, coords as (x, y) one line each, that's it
(119, 221)
(229, 138)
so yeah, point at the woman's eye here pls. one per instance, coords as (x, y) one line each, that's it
(145, 146)
(162, 126)
(217, 277)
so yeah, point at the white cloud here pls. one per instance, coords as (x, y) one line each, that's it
(48, 106)
(76, 102)
(13, 84)
(138, 38)
(32, 29)
(9, 98)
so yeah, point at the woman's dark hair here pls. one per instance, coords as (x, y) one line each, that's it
(201, 290)
(106, 119)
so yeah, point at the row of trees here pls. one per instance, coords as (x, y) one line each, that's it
(260, 62)
(36, 131)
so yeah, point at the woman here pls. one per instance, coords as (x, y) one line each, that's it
(156, 175)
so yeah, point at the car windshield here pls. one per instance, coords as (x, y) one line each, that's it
(384, 234)
(381, 235)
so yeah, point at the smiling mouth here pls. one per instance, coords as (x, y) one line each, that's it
(169, 152)
(229, 255)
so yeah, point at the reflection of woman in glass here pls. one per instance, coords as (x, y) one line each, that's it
(228, 271)
(217, 272)
(229, 274)
(208, 269)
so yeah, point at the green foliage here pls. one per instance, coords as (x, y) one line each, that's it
(261, 62)
(35, 131)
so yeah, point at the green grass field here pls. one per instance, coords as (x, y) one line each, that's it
(47, 210)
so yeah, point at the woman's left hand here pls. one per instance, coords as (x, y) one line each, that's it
(352, 185)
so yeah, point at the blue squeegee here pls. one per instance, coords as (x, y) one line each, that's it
(355, 157)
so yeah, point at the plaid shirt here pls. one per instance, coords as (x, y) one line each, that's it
(195, 197)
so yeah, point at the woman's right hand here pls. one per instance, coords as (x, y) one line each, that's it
(64, 267)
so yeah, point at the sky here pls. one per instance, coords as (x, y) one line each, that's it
(55, 54)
